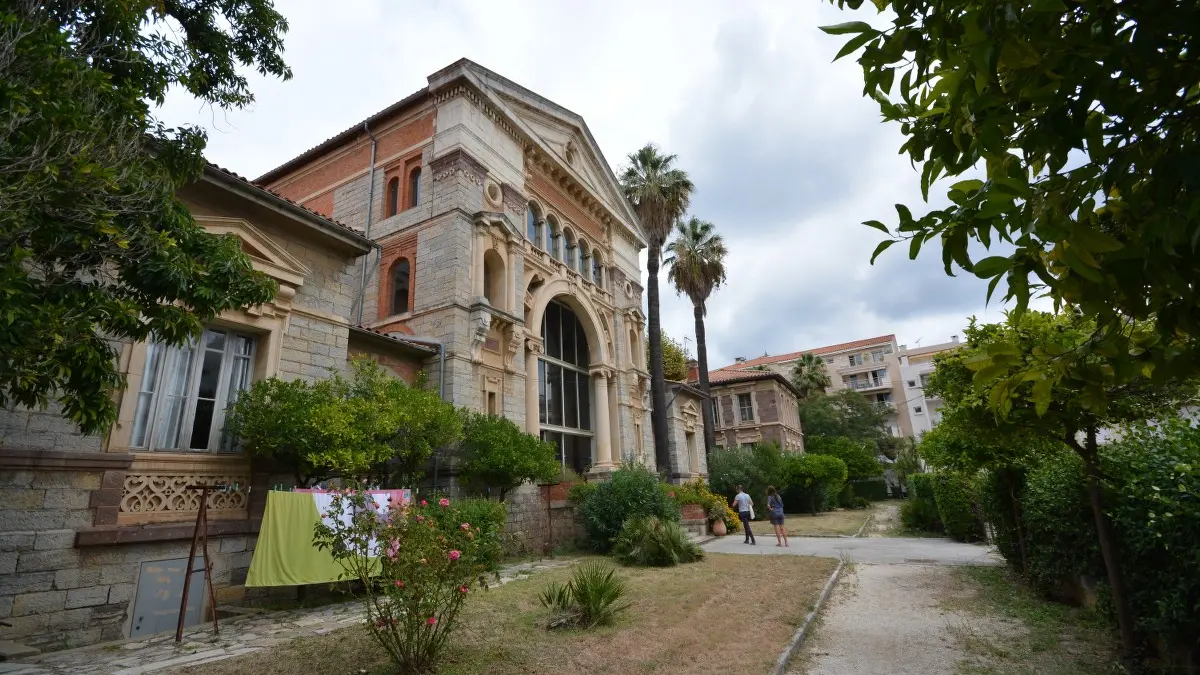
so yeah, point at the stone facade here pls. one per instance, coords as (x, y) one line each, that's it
(82, 514)
(757, 406)
(685, 432)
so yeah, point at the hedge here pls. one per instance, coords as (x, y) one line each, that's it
(874, 489)
(954, 494)
(920, 511)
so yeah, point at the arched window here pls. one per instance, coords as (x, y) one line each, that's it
(392, 200)
(494, 286)
(569, 250)
(554, 236)
(635, 349)
(585, 260)
(564, 387)
(400, 284)
(533, 226)
(414, 187)
(598, 270)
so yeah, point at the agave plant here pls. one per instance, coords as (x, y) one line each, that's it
(648, 541)
(591, 598)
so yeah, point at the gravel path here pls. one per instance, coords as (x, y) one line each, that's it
(885, 518)
(918, 551)
(888, 619)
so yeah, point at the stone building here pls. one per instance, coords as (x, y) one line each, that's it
(95, 530)
(503, 236)
(473, 230)
(755, 406)
(685, 431)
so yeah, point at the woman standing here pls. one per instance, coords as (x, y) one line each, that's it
(775, 510)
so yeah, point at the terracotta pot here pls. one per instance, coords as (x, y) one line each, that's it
(718, 528)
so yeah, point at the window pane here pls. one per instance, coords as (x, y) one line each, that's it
(577, 452)
(214, 339)
(176, 385)
(551, 332)
(145, 403)
(570, 399)
(239, 379)
(554, 395)
(210, 372)
(581, 344)
(542, 391)
(585, 401)
(568, 336)
(555, 438)
(202, 425)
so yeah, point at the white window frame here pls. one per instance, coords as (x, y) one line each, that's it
(741, 411)
(155, 380)
(855, 359)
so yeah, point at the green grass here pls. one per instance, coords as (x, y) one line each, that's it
(1021, 633)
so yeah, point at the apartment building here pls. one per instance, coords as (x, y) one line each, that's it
(916, 365)
(869, 366)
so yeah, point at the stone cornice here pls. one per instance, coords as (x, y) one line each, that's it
(62, 460)
(457, 160)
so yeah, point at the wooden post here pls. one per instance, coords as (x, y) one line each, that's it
(201, 528)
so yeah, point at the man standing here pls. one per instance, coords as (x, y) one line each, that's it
(744, 505)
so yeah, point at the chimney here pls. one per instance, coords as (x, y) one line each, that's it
(954, 338)
(693, 370)
(739, 359)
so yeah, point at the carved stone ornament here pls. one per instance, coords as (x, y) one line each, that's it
(158, 493)
(516, 337)
(481, 321)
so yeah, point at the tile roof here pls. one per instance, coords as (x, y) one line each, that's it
(726, 376)
(764, 360)
(242, 179)
(419, 346)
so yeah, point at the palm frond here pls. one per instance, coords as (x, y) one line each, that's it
(696, 260)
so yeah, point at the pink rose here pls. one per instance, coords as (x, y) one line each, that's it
(464, 527)
(443, 502)
(432, 621)
(424, 503)
(420, 519)
(399, 584)
(463, 589)
(393, 550)
(455, 555)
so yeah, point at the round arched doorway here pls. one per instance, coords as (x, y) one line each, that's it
(564, 387)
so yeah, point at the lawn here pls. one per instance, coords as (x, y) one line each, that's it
(827, 524)
(728, 613)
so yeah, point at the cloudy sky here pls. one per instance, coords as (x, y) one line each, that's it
(787, 156)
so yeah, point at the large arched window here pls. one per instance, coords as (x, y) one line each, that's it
(414, 187)
(392, 198)
(569, 249)
(564, 387)
(554, 238)
(533, 226)
(401, 275)
(585, 259)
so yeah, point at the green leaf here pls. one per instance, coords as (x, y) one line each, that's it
(967, 185)
(992, 266)
(1042, 390)
(1094, 240)
(855, 43)
(985, 375)
(848, 27)
(883, 246)
(877, 225)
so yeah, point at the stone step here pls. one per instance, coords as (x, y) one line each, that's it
(16, 650)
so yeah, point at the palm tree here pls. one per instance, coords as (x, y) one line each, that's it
(696, 266)
(659, 193)
(809, 375)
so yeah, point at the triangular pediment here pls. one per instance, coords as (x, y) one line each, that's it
(267, 255)
(566, 142)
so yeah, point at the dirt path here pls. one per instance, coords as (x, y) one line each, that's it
(885, 519)
(890, 619)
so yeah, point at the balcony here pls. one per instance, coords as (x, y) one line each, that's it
(866, 366)
(869, 385)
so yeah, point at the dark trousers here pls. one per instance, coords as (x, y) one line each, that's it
(744, 516)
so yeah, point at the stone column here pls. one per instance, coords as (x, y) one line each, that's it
(601, 423)
(533, 422)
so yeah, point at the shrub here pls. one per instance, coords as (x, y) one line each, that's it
(632, 491)
(920, 511)
(1000, 498)
(873, 489)
(591, 598)
(415, 572)
(813, 480)
(497, 454)
(954, 493)
(1061, 541)
(862, 503)
(650, 542)
(753, 468)
(715, 506)
(487, 515)
(859, 455)
(578, 492)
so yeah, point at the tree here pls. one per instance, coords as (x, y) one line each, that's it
(859, 456)
(372, 426)
(1000, 386)
(497, 454)
(674, 358)
(697, 268)
(1082, 118)
(95, 248)
(659, 193)
(845, 413)
(810, 376)
(814, 476)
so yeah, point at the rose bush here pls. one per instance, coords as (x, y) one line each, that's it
(416, 567)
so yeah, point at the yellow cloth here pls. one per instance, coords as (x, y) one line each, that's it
(285, 554)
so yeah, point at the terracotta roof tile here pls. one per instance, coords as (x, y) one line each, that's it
(419, 346)
(258, 186)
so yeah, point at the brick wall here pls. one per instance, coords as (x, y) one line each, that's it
(767, 404)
